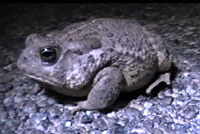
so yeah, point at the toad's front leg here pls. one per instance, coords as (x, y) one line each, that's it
(106, 88)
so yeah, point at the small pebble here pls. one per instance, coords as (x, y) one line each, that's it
(68, 123)
(87, 119)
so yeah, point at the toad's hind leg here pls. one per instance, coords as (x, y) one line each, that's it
(163, 78)
(106, 88)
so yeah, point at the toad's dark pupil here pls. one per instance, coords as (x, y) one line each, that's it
(48, 54)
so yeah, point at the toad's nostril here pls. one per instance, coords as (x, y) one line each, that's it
(25, 58)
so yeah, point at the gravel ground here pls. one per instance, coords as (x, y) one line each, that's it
(172, 110)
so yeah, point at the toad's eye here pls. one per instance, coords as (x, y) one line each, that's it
(48, 55)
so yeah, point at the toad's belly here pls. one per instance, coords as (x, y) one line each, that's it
(68, 92)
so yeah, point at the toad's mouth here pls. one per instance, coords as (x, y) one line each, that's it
(41, 80)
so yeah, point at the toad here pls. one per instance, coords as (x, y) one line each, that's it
(97, 58)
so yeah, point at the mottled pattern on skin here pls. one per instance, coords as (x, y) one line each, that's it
(99, 58)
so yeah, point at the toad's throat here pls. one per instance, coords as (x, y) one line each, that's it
(44, 81)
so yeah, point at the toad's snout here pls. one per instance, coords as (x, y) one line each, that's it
(21, 62)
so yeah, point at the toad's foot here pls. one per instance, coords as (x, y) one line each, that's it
(163, 78)
(80, 106)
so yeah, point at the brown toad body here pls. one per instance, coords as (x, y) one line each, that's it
(97, 58)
